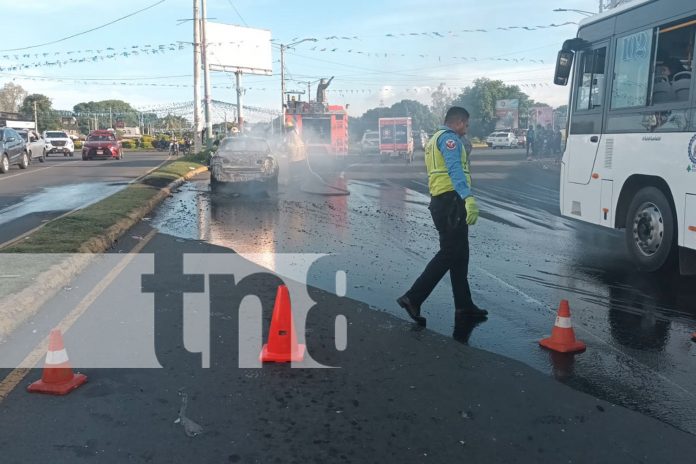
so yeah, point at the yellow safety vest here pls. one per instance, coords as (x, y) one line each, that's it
(439, 181)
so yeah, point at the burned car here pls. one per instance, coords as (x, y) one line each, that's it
(243, 165)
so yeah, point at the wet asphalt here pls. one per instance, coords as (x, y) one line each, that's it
(401, 394)
(44, 191)
(525, 258)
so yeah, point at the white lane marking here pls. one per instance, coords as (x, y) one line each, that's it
(11, 176)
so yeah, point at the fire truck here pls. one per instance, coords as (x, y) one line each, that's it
(323, 128)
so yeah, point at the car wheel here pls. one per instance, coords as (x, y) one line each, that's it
(650, 229)
(24, 163)
(43, 157)
(4, 164)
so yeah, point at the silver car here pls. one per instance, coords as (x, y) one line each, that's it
(243, 165)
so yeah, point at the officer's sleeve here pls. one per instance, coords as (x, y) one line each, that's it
(451, 148)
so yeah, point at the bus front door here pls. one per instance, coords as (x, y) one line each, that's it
(585, 132)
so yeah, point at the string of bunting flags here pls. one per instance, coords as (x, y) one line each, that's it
(343, 92)
(453, 33)
(63, 58)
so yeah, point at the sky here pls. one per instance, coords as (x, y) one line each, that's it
(377, 66)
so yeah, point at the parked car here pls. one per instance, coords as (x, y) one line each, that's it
(36, 148)
(102, 144)
(502, 140)
(58, 142)
(369, 142)
(243, 164)
(12, 150)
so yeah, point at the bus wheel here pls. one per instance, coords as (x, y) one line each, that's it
(650, 230)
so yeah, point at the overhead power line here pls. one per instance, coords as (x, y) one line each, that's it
(84, 32)
(237, 11)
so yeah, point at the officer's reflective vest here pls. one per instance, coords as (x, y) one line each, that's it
(439, 181)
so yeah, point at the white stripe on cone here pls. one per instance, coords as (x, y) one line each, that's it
(563, 322)
(57, 357)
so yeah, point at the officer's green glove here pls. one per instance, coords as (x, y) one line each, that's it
(472, 211)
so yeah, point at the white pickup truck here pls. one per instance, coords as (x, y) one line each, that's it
(58, 142)
(36, 147)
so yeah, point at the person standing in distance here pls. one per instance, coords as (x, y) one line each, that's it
(453, 209)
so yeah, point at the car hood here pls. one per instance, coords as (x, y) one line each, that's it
(241, 158)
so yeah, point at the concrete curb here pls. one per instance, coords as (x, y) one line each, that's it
(16, 308)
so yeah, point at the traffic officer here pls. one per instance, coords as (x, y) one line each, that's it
(453, 209)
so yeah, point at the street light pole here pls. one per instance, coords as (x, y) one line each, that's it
(582, 12)
(196, 77)
(206, 76)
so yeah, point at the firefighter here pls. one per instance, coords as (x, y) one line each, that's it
(296, 150)
(453, 209)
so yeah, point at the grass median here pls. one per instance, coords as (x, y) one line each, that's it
(70, 233)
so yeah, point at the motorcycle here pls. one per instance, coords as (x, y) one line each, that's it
(174, 148)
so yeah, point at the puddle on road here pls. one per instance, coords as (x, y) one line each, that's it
(383, 236)
(62, 198)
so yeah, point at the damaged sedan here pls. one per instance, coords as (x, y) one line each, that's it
(243, 165)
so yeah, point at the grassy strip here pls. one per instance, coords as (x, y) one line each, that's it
(68, 234)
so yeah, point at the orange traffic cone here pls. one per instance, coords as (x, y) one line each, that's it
(282, 343)
(58, 377)
(562, 337)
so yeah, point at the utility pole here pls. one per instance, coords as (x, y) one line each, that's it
(36, 118)
(282, 89)
(309, 91)
(601, 5)
(206, 76)
(240, 119)
(196, 77)
(111, 119)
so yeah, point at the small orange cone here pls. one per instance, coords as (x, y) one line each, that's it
(562, 337)
(58, 377)
(282, 343)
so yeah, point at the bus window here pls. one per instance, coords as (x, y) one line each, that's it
(632, 70)
(674, 63)
(590, 94)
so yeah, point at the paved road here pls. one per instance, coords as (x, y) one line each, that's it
(401, 394)
(46, 190)
(525, 259)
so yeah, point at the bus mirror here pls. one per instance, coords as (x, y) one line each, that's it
(564, 63)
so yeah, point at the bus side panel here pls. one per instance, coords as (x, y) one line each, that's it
(582, 201)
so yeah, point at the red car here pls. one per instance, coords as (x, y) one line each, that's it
(102, 144)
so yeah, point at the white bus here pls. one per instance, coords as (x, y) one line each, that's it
(630, 158)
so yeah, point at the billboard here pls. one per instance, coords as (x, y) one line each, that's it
(541, 115)
(507, 112)
(235, 48)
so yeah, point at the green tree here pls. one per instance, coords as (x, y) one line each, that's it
(11, 97)
(480, 99)
(105, 112)
(442, 100)
(47, 118)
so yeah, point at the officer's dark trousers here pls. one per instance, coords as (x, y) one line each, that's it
(449, 217)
